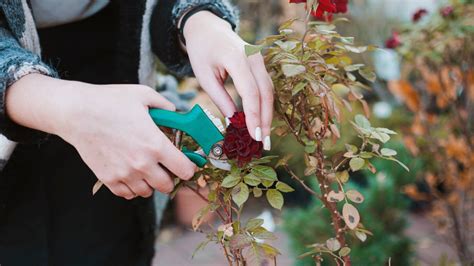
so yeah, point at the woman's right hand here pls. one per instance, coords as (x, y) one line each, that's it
(110, 127)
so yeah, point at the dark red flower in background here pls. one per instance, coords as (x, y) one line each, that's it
(238, 144)
(297, 1)
(419, 14)
(394, 41)
(341, 6)
(446, 11)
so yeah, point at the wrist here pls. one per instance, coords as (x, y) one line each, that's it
(40, 102)
(203, 19)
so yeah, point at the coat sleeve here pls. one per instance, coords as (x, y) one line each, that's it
(164, 29)
(16, 62)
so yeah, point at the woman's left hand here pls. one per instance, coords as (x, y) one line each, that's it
(216, 51)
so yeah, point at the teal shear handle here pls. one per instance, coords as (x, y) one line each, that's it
(195, 124)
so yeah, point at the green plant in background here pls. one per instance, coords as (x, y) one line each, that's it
(437, 86)
(385, 212)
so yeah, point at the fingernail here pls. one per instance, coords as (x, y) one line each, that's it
(267, 143)
(258, 134)
(227, 121)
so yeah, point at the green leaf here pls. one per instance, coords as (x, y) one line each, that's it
(252, 180)
(361, 236)
(212, 195)
(366, 155)
(291, 70)
(269, 250)
(284, 187)
(356, 164)
(340, 88)
(267, 183)
(253, 49)
(257, 192)
(287, 24)
(343, 176)
(299, 87)
(253, 224)
(201, 246)
(388, 152)
(353, 67)
(230, 181)
(239, 241)
(264, 160)
(284, 161)
(382, 137)
(240, 194)
(368, 74)
(400, 163)
(386, 131)
(362, 121)
(264, 172)
(351, 148)
(344, 251)
(275, 198)
(356, 49)
(287, 45)
(262, 233)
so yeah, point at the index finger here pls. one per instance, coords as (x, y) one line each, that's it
(175, 161)
(247, 88)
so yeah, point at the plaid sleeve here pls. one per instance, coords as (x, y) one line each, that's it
(15, 63)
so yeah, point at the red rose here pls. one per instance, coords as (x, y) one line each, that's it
(324, 6)
(446, 11)
(238, 144)
(238, 120)
(394, 41)
(341, 6)
(420, 13)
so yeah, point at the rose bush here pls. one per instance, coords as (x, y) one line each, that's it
(316, 84)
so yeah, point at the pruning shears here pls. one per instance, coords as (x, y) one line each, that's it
(203, 128)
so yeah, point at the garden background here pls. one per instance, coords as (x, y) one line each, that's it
(424, 92)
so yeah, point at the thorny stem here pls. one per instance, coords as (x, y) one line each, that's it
(323, 180)
(295, 177)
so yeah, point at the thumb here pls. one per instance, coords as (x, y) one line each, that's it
(156, 100)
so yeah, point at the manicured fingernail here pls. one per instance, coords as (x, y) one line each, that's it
(227, 121)
(258, 134)
(267, 143)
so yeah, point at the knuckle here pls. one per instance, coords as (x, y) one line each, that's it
(166, 187)
(143, 191)
(148, 193)
(188, 172)
(252, 114)
(253, 94)
(118, 191)
(140, 165)
(267, 93)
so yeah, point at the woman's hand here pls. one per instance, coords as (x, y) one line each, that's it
(110, 127)
(215, 51)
